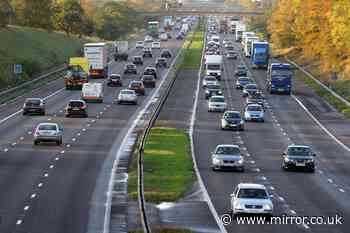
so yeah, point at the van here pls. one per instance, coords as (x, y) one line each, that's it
(92, 92)
(213, 66)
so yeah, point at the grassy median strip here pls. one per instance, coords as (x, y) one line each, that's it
(168, 168)
(165, 230)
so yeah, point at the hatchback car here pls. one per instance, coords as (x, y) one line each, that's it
(34, 105)
(242, 81)
(241, 70)
(254, 112)
(161, 62)
(156, 45)
(249, 89)
(76, 108)
(48, 132)
(140, 44)
(115, 80)
(250, 198)
(147, 52)
(227, 157)
(130, 69)
(151, 71)
(217, 103)
(148, 81)
(209, 80)
(166, 53)
(212, 89)
(127, 96)
(298, 157)
(137, 60)
(138, 87)
(232, 120)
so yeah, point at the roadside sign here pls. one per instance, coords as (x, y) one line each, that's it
(17, 69)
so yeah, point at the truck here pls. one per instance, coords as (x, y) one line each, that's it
(153, 29)
(279, 78)
(223, 27)
(260, 54)
(233, 26)
(97, 55)
(121, 50)
(248, 44)
(244, 35)
(240, 28)
(214, 65)
(92, 92)
(77, 73)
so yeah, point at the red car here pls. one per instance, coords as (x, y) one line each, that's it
(138, 87)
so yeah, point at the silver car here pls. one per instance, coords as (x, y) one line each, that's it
(127, 96)
(217, 104)
(209, 80)
(48, 132)
(254, 112)
(227, 157)
(250, 198)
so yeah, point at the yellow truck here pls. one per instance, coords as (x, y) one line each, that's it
(77, 73)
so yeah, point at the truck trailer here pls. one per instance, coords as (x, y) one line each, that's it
(97, 55)
(279, 78)
(260, 54)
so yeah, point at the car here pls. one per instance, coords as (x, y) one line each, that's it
(232, 120)
(230, 48)
(180, 36)
(147, 52)
(298, 157)
(163, 37)
(169, 35)
(227, 157)
(34, 105)
(148, 39)
(212, 89)
(127, 96)
(161, 62)
(252, 199)
(48, 132)
(217, 103)
(231, 55)
(138, 87)
(209, 80)
(140, 44)
(241, 70)
(130, 69)
(254, 112)
(256, 98)
(151, 70)
(242, 81)
(155, 45)
(148, 80)
(115, 80)
(166, 53)
(76, 108)
(137, 60)
(249, 89)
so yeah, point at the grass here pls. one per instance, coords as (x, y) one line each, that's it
(168, 168)
(165, 230)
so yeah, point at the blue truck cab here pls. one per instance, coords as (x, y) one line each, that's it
(279, 78)
(260, 54)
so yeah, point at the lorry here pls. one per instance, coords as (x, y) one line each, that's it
(279, 78)
(121, 50)
(233, 26)
(240, 28)
(244, 35)
(223, 27)
(214, 65)
(77, 73)
(248, 44)
(260, 54)
(92, 92)
(97, 55)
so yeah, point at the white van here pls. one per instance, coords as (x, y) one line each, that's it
(213, 66)
(92, 92)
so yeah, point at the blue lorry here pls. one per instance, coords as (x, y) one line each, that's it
(279, 78)
(260, 54)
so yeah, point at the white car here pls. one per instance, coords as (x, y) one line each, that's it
(227, 157)
(250, 198)
(48, 132)
(156, 45)
(148, 39)
(254, 112)
(209, 80)
(163, 37)
(140, 44)
(127, 96)
(217, 104)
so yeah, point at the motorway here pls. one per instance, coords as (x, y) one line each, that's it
(323, 193)
(47, 188)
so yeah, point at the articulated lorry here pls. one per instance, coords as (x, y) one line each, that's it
(240, 28)
(279, 78)
(77, 73)
(214, 66)
(260, 54)
(97, 55)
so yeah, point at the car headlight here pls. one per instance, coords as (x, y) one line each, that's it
(240, 161)
(238, 206)
(216, 161)
(272, 85)
(207, 92)
(309, 161)
(241, 122)
(286, 159)
(267, 207)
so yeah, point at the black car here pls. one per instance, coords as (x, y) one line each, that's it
(249, 89)
(212, 90)
(242, 81)
(298, 157)
(241, 70)
(76, 108)
(130, 69)
(166, 53)
(148, 81)
(34, 105)
(115, 80)
(147, 52)
(161, 62)
(137, 60)
(151, 71)
(232, 120)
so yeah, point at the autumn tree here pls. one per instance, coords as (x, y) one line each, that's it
(38, 13)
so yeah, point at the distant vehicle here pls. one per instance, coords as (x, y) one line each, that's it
(223, 26)
(137, 60)
(249, 40)
(115, 80)
(121, 50)
(148, 81)
(227, 157)
(298, 157)
(138, 87)
(92, 92)
(180, 36)
(215, 38)
(34, 105)
(214, 65)
(212, 90)
(153, 29)
(249, 89)
(48, 132)
(127, 96)
(246, 34)
(76, 108)
(148, 39)
(156, 45)
(251, 199)
(161, 62)
(217, 103)
(163, 37)
(260, 55)
(279, 78)
(241, 70)
(256, 98)
(77, 73)
(254, 112)
(166, 53)
(140, 44)
(147, 52)
(242, 81)
(209, 80)
(130, 69)
(240, 28)
(232, 55)
(232, 120)
(151, 71)
(97, 55)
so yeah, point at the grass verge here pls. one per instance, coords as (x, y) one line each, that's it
(168, 167)
(165, 230)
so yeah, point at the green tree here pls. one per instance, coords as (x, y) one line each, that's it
(38, 13)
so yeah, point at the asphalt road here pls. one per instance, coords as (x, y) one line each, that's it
(47, 188)
(324, 193)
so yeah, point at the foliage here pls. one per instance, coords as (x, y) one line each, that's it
(38, 13)
(4, 19)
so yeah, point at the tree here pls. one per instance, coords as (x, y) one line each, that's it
(38, 13)
(5, 13)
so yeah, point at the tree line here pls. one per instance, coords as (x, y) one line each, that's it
(81, 17)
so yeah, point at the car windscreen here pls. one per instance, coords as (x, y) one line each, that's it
(130, 66)
(227, 150)
(251, 87)
(148, 77)
(210, 79)
(299, 151)
(33, 102)
(281, 72)
(252, 193)
(47, 127)
(240, 68)
(254, 108)
(213, 67)
(115, 77)
(217, 99)
(213, 87)
(76, 104)
(232, 115)
(244, 80)
(127, 92)
(135, 84)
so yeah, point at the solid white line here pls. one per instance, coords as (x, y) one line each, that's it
(19, 222)
(26, 208)
(33, 195)
(320, 124)
(342, 190)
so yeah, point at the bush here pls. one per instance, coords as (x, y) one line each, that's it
(30, 67)
(4, 18)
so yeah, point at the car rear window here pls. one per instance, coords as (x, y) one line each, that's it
(127, 92)
(47, 127)
(75, 104)
(135, 84)
(148, 77)
(217, 99)
(32, 101)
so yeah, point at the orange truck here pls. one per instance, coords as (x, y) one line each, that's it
(77, 73)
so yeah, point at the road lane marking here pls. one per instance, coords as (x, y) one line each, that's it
(19, 222)
(26, 208)
(40, 185)
(341, 190)
(330, 181)
(33, 195)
